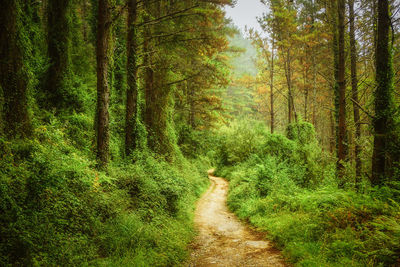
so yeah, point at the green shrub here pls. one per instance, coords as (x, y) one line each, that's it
(239, 141)
(57, 209)
(288, 188)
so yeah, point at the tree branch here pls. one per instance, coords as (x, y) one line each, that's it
(358, 105)
(173, 14)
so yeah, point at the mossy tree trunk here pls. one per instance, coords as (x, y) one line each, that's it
(13, 77)
(383, 96)
(335, 52)
(342, 146)
(103, 89)
(354, 89)
(58, 49)
(132, 69)
(157, 91)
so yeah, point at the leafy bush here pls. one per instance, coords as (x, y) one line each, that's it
(288, 189)
(240, 140)
(58, 210)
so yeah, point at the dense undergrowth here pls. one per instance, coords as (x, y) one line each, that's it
(57, 209)
(286, 186)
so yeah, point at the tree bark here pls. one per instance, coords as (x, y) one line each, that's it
(192, 106)
(314, 66)
(306, 93)
(354, 89)
(157, 90)
(288, 74)
(342, 146)
(13, 77)
(383, 96)
(272, 85)
(335, 86)
(103, 90)
(58, 45)
(332, 139)
(132, 69)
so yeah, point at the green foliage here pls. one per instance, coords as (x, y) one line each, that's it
(55, 205)
(240, 140)
(289, 190)
(301, 132)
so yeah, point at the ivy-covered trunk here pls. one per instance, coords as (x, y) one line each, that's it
(58, 48)
(132, 69)
(383, 96)
(157, 94)
(13, 77)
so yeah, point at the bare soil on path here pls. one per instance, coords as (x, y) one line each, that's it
(225, 241)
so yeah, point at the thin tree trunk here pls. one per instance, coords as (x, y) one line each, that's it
(383, 96)
(375, 26)
(149, 84)
(13, 78)
(306, 93)
(103, 89)
(191, 107)
(354, 87)
(314, 110)
(335, 86)
(342, 147)
(84, 22)
(289, 84)
(272, 85)
(132, 91)
(332, 139)
(58, 46)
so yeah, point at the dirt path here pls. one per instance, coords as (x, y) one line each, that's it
(223, 240)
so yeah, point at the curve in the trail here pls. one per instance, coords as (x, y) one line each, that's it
(223, 240)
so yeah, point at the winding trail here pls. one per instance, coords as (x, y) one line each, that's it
(223, 240)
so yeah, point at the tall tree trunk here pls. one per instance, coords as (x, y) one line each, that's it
(192, 107)
(314, 87)
(288, 75)
(132, 91)
(85, 25)
(314, 74)
(271, 85)
(149, 84)
(103, 89)
(342, 147)
(157, 116)
(383, 96)
(375, 26)
(354, 89)
(332, 139)
(306, 94)
(13, 77)
(335, 86)
(58, 46)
